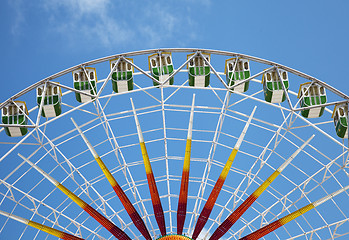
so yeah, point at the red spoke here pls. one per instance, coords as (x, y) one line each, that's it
(206, 211)
(132, 212)
(154, 194)
(229, 222)
(183, 195)
(288, 218)
(111, 227)
(41, 227)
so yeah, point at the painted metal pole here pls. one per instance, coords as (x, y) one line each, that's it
(229, 222)
(41, 227)
(288, 218)
(117, 232)
(183, 195)
(154, 194)
(206, 211)
(132, 212)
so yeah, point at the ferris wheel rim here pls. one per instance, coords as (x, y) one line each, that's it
(144, 52)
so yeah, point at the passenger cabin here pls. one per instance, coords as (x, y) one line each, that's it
(15, 114)
(312, 94)
(199, 70)
(237, 71)
(272, 85)
(122, 77)
(52, 103)
(161, 66)
(340, 119)
(85, 81)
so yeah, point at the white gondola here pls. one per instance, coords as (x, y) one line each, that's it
(161, 70)
(122, 77)
(272, 86)
(240, 73)
(15, 114)
(85, 81)
(52, 105)
(199, 70)
(340, 119)
(312, 94)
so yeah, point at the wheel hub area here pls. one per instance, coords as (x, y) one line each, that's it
(174, 237)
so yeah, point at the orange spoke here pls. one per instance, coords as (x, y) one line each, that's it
(183, 195)
(206, 211)
(288, 218)
(117, 232)
(132, 212)
(229, 222)
(154, 194)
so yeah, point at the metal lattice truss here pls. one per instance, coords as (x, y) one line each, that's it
(218, 123)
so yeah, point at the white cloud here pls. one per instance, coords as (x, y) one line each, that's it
(87, 21)
(79, 6)
(161, 24)
(146, 23)
(110, 23)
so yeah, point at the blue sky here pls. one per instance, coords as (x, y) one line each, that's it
(39, 38)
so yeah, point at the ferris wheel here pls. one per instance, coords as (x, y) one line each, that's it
(175, 144)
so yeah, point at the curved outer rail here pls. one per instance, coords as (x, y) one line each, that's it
(150, 51)
(159, 212)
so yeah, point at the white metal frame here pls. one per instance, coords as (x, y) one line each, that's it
(225, 109)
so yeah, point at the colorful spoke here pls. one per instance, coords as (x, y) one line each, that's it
(229, 222)
(49, 230)
(206, 211)
(117, 232)
(154, 194)
(132, 212)
(183, 195)
(282, 221)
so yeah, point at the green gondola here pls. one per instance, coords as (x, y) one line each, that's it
(199, 70)
(85, 81)
(122, 77)
(340, 119)
(161, 70)
(272, 86)
(312, 94)
(242, 72)
(15, 114)
(52, 105)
